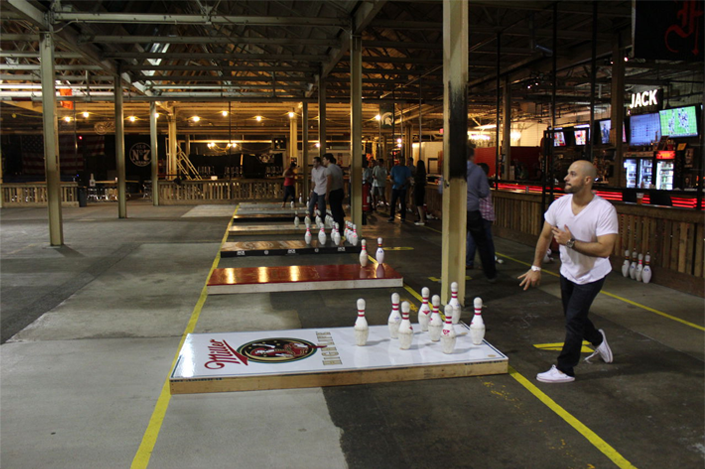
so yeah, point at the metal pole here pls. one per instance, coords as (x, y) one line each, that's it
(304, 148)
(497, 111)
(51, 139)
(120, 145)
(155, 153)
(322, 116)
(551, 177)
(593, 81)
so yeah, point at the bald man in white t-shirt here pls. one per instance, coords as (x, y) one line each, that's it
(586, 228)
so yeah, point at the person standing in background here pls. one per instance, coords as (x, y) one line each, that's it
(420, 192)
(401, 178)
(289, 188)
(478, 188)
(488, 217)
(319, 183)
(334, 189)
(379, 184)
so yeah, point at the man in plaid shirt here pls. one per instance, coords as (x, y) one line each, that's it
(478, 189)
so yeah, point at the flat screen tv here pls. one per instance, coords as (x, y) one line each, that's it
(679, 122)
(644, 129)
(559, 137)
(604, 134)
(581, 134)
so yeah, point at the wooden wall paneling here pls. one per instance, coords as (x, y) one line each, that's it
(682, 246)
(673, 252)
(698, 269)
(690, 249)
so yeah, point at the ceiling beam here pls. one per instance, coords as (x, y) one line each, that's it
(204, 20)
(282, 41)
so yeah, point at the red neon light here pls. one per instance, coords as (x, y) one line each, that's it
(665, 155)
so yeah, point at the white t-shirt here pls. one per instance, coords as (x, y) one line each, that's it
(597, 219)
(320, 181)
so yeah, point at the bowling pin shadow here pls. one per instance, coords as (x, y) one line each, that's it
(377, 342)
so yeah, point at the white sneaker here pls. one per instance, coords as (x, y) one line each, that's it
(420, 223)
(554, 375)
(603, 350)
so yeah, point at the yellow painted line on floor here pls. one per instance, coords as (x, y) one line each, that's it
(398, 248)
(655, 311)
(617, 297)
(581, 428)
(558, 346)
(438, 280)
(149, 439)
(591, 436)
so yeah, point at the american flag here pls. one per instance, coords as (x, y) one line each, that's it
(71, 158)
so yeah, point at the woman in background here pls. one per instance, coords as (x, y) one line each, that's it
(289, 174)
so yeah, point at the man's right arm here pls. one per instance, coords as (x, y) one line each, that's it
(532, 277)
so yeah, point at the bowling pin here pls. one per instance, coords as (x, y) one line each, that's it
(297, 222)
(625, 266)
(435, 324)
(307, 236)
(363, 254)
(547, 257)
(292, 204)
(455, 303)
(362, 330)
(394, 317)
(406, 331)
(322, 236)
(335, 235)
(301, 200)
(646, 274)
(307, 220)
(632, 266)
(319, 222)
(448, 337)
(424, 310)
(640, 268)
(354, 235)
(379, 255)
(477, 326)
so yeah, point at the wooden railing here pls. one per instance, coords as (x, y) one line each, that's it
(222, 191)
(673, 236)
(35, 194)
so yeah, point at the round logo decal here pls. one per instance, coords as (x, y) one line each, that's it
(278, 350)
(140, 154)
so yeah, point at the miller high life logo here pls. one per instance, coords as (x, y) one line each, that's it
(221, 353)
(278, 350)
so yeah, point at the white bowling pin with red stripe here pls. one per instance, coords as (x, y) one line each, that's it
(477, 326)
(448, 337)
(424, 310)
(406, 331)
(362, 330)
(435, 325)
(394, 319)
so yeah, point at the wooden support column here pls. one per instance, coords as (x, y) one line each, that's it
(455, 125)
(356, 129)
(617, 110)
(154, 152)
(120, 145)
(322, 116)
(51, 139)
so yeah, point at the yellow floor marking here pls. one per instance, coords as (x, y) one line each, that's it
(398, 248)
(591, 436)
(438, 280)
(558, 346)
(149, 439)
(617, 297)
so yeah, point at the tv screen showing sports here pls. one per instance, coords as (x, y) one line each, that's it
(581, 135)
(559, 139)
(605, 127)
(679, 122)
(644, 129)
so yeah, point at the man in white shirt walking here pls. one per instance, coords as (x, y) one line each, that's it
(586, 228)
(318, 188)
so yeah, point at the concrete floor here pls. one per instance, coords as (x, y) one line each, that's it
(90, 331)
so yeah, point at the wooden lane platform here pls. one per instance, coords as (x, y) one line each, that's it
(284, 248)
(285, 229)
(266, 217)
(301, 358)
(302, 278)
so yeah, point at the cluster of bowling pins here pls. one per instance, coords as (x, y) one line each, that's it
(429, 320)
(638, 269)
(379, 254)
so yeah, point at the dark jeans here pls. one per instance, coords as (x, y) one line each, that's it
(321, 201)
(472, 247)
(336, 208)
(476, 228)
(577, 300)
(396, 195)
(289, 191)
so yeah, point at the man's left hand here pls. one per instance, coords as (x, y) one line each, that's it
(562, 236)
